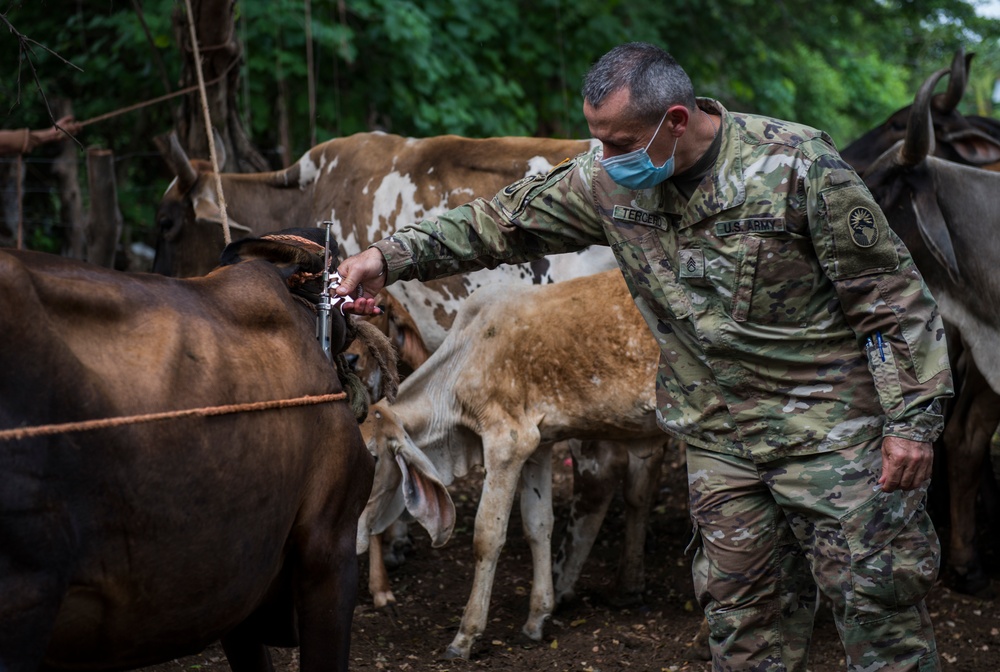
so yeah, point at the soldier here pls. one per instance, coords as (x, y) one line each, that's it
(803, 360)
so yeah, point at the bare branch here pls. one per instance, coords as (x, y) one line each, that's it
(25, 47)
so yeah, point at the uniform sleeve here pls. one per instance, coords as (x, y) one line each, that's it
(886, 302)
(536, 216)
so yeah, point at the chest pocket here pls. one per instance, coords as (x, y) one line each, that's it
(776, 281)
(651, 274)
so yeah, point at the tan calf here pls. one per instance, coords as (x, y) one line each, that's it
(520, 369)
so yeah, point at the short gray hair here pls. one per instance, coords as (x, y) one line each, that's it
(654, 80)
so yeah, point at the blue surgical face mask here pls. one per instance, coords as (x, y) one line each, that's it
(635, 170)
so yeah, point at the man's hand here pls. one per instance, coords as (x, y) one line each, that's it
(366, 269)
(905, 464)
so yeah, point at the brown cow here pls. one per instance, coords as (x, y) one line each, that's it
(520, 369)
(111, 556)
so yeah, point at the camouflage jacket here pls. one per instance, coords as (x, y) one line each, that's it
(791, 319)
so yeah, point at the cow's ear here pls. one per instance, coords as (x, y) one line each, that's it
(425, 495)
(207, 213)
(287, 257)
(934, 231)
(975, 147)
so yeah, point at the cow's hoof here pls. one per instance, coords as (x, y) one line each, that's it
(973, 582)
(534, 626)
(383, 600)
(565, 599)
(625, 599)
(395, 556)
(699, 645)
(453, 652)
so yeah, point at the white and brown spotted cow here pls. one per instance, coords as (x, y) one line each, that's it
(369, 185)
(521, 368)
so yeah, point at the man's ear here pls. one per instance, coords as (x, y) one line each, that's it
(677, 119)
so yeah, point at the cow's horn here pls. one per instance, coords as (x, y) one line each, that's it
(176, 158)
(957, 82)
(919, 141)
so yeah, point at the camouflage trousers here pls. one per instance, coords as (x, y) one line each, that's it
(767, 536)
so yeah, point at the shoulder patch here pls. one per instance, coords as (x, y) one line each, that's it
(862, 244)
(864, 232)
(513, 198)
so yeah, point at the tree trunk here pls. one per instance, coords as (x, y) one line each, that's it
(284, 132)
(221, 53)
(11, 185)
(67, 172)
(104, 225)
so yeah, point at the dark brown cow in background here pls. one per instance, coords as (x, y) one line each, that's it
(109, 539)
(948, 215)
(975, 141)
(971, 140)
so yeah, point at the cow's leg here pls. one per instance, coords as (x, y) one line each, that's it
(536, 517)
(378, 577)
(246, 652)
(396, 543)
(598, 467)
(641, 482)
(327, 591)
(28, 608)
(967, 444)
(503, 464)
(37, 550)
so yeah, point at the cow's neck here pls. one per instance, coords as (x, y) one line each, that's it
(266, 202)
(437, 424)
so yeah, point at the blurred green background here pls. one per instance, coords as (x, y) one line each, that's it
(471, 67)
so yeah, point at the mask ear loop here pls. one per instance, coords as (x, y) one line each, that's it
(657, 131)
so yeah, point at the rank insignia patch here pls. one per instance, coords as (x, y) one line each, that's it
(692, 264)
(864, 233)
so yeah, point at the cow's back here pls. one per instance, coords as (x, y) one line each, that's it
(405, 180)
(561, 351)
(370, 185)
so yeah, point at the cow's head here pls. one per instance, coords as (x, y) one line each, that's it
(189, 220)
(970, 140)
(396, 323)
(405, 479)
(298, 255)
(905, 181)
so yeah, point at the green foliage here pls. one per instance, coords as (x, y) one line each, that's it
(482, 68)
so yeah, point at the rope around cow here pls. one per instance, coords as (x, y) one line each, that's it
(20, 433)
(377, 344)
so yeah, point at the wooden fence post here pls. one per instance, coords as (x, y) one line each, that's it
(104, 223)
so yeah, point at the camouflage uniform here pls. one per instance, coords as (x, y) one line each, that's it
(794, 330)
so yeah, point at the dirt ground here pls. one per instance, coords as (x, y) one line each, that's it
(590, 635)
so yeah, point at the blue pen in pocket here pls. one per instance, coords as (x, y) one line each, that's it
(878, 339)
